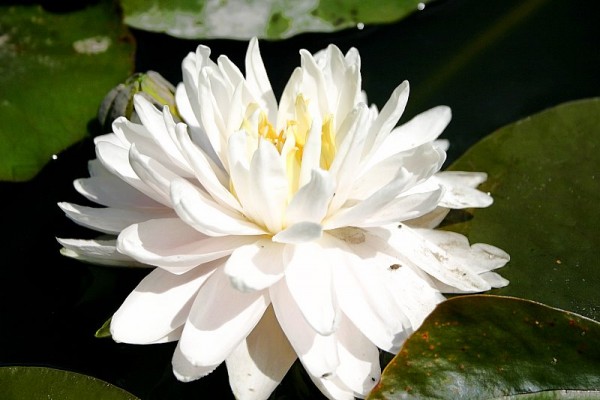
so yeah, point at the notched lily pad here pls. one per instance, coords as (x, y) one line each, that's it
(484, 347)
(26, 383)
(54, 70)
(243, 19)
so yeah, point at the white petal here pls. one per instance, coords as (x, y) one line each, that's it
(185, 371)
(308, 277)
(404, 208)
(333, 388)
(220, 318)
(423, 128)
(161, 127)
(260, 362)
(174, 245)
(480, 257)
(317, 353)
(388, 117)
(255, 266)
(362, 292)
(208, 174)
(415, 248)
(116, 160)
(258, 81)
(101, 252)
(270, 185)
(460, 189)
(301, 232)
(110, 220)
(311, 154)
(112, 191)
(310, 203)
(158, 305)
(205, 215)
(359, 366)
(152, 173)
(430, 220)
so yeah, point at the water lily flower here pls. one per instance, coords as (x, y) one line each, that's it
(280, 231)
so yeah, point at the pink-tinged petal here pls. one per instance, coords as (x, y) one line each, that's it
(219, 320)
(255, 266)
(359, 366)
(414, 248)
(112, 191)
(460, 189)
(185, 371)
(317, 353)
(310, 203)
(423, 128)
(388, 117)
(270, 185)
(99, 252)
(158, 305)
(111, 220)
(205, 215)
(302, 232)
(258, 80)
(116, 160)
(174, 245)
(308, 277)
(260, 362)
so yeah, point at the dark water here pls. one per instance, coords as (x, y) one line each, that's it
(493, 62)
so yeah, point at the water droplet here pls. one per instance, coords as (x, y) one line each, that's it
(421, 6)
(360, 26)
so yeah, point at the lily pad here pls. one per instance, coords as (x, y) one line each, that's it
(544, 175)
(25, 383)
(273, 19)
(484, 347)
(54, 69)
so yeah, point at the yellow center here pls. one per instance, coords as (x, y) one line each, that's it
(296, 132)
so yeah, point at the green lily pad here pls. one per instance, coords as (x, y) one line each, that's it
(243, 19)
(25, 383)
(484, 347)
(544, 175)
(54, 70)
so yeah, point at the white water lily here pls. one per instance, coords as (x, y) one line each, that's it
(280, 231)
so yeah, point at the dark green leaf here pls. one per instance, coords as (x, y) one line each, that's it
(483, 347)
(27, 383)
(544, 174)
(54, 71)
(243, 19)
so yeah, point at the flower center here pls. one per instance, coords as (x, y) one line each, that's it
(291, 139)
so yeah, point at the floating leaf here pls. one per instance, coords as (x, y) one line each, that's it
(544, 174)
(243, 19)
(483, 347)
(54, 71)
(25, 383)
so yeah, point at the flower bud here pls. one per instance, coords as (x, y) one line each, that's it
(119, 101)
